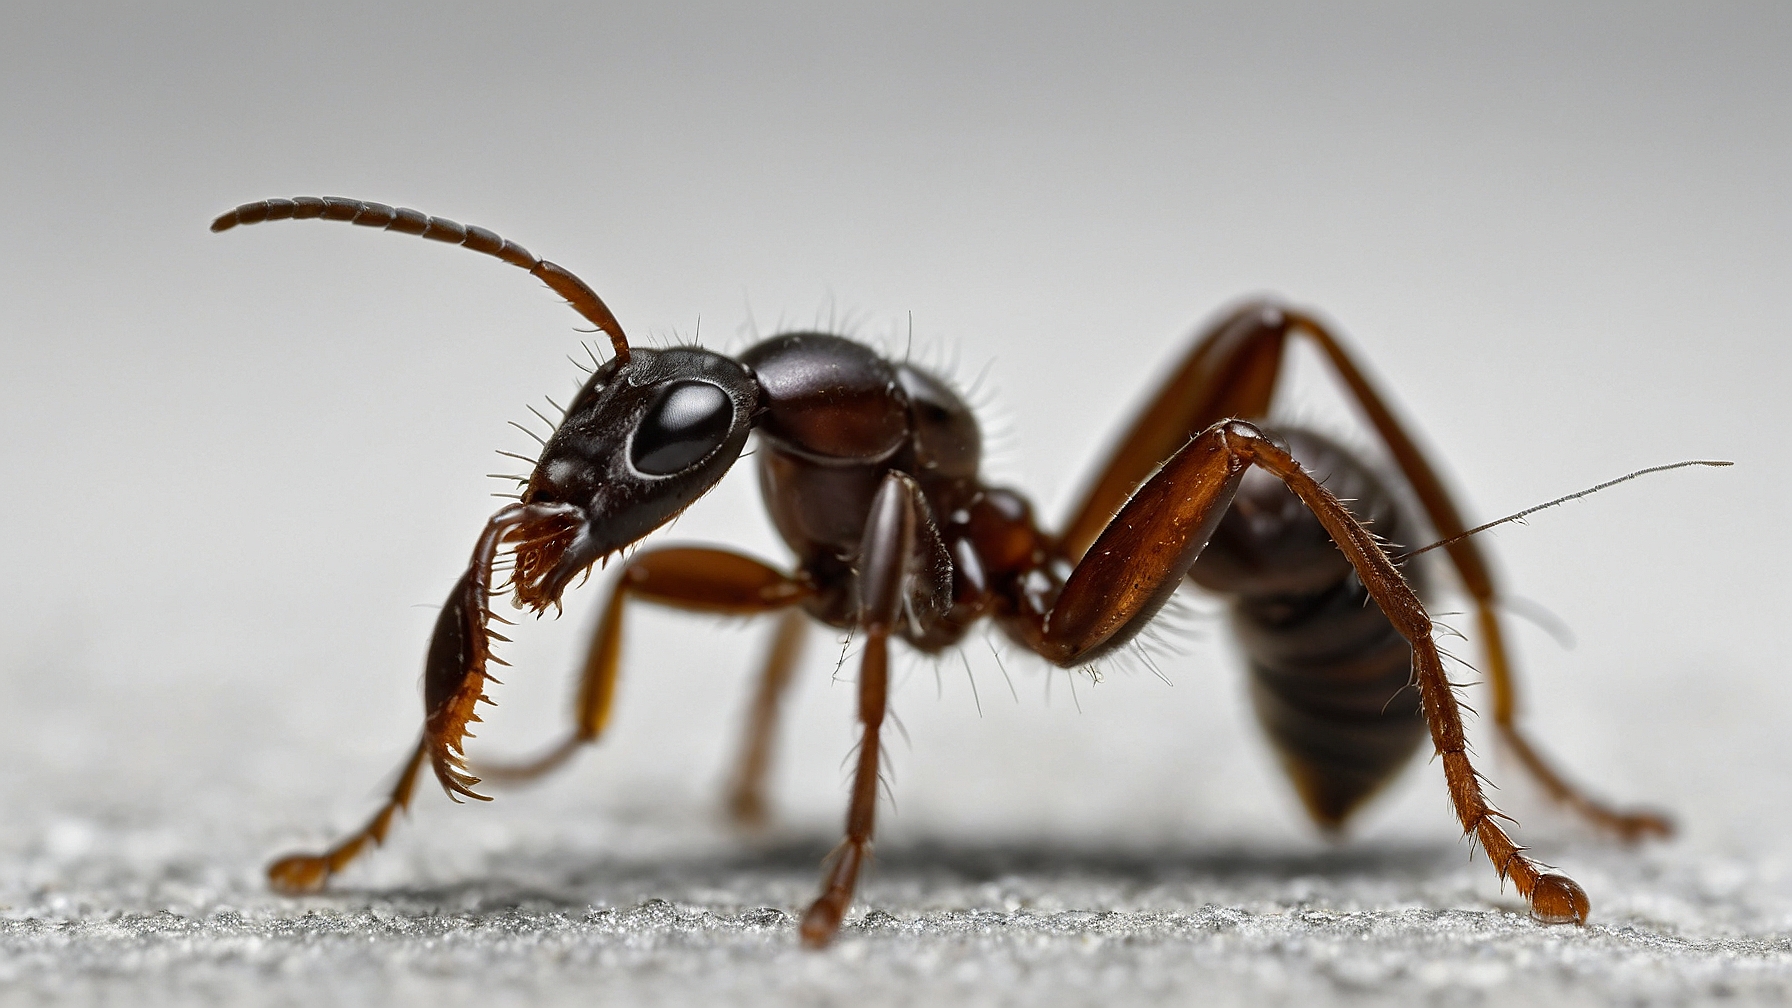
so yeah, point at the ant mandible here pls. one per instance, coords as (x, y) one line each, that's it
(870, 469)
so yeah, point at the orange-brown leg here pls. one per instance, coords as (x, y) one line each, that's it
(746, 789)
(703, 580)
(1477, 578)
(840, 878)
(898, 555)
(694, 579)
(303, 873)
(1146, 550)
(454, 680)
(1231, 372)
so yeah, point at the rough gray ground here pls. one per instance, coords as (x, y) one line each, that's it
(138, 882)
(973, 924)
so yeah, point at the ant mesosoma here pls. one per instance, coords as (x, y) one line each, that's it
(870, 469)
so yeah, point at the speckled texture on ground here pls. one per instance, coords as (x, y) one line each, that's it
(669, 915)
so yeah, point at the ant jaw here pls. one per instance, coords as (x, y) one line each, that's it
(550, 551)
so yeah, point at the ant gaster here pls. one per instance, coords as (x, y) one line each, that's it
(870, 469)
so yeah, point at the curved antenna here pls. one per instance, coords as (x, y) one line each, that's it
(404, 220)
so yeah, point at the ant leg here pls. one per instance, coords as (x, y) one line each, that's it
(454, 681)
(900, 565)
(455, 675)
(695, 579)
(1149, 546)
(1477, 578)
(746, 791)
(303, 873)
(840, 876)
(1230, 372)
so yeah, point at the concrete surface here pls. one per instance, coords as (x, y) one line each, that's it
(682, 923)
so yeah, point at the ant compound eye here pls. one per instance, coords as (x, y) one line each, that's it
(687, 422)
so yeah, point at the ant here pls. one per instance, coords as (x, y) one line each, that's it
(870, 469)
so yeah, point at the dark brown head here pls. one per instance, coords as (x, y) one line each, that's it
(643, 439)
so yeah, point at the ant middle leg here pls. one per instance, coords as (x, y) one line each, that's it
(1145, 551)
(701, 580)
(902, 568)
(746, 788)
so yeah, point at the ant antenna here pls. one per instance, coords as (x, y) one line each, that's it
(404, 220)
(1520, 516)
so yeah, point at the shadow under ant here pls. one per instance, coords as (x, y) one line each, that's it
(778, 872)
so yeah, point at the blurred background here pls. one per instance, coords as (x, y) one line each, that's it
(242, 470)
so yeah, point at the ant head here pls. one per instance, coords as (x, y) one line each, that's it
(646, 436)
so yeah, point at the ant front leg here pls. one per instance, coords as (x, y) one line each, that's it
(712, 581)
(1141, 556)
(705, 580)
(902, 567)
(453, 683)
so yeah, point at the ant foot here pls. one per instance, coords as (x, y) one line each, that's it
(1558, 899)
(297, 874)
(1635, 827)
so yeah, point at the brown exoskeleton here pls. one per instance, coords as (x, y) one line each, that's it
(870, 469)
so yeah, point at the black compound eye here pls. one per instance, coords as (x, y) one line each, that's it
(689, 420)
